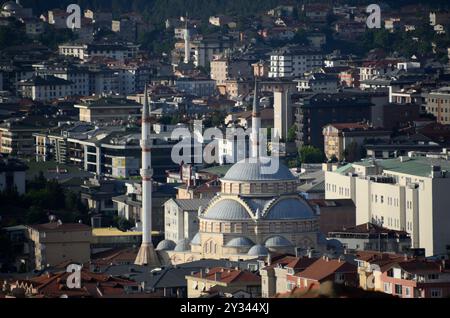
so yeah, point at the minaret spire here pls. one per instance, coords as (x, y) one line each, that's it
(146, 254)
(187, 39)
(256, 123)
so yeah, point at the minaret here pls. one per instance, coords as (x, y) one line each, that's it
(187, 45)
(146, 254)
(256, 123)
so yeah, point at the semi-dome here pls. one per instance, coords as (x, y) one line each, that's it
(182, 246)
(277, 241)
(240, 242)
(290, 208)
(165, 245)
(11, 6)
(196, 239)
(227, 209)
(258, 250)
(260, 169)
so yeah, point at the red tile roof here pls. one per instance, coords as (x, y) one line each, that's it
(93, 285)
(323, 268)
(230, 276)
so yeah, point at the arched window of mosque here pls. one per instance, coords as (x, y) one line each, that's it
(272, 227)
(264, 188)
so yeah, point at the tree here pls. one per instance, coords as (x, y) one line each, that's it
(292, 133)
(36, 215)
(310, 154)
(122, 223)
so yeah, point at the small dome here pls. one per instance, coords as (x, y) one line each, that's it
(182, 246)
(227, 210)
(277, 241)
(196, 239)
(165, 245)
(258, 250)
(251, 169)
(11, 6)
(291, 208)
(240, 242)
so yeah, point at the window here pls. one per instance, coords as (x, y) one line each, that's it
(436, 293)
(340, 277)
(407, 292)
(398, 289)
(387, 288)
(433, 276)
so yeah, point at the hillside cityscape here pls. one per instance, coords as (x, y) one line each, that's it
(224, 149)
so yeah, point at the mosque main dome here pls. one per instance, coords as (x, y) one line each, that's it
(260, 169)
(258, 211)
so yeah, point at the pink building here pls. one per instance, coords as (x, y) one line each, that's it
(417, 279)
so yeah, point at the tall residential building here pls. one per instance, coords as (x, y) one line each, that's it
(404, 194)
(438, 103)
(344, 141)
(223, 69)
(291, 61)
(313, 112)
(55, 242)
(107, 109)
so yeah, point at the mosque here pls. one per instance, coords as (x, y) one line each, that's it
(255, 214)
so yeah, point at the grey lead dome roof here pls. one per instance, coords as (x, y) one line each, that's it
(196, 239)
(227, 209)
(277, 241)
(182, 246)
(261, 169)
(290, 208)
(165, 245)
(240, 242)
(11, 6)
(258, 250)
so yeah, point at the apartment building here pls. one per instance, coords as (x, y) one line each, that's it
(196, 86)
(45, 88)
(16, 136)
(314, 112)
(107, 109)
(292, 61)
(318, 82)
(403, 276)
(85, 52)
(404, 194)
(345, 140)
(222, 281)
(181, 218)
(437, 103)
(223, 69)
(12, 175)
(56, 242)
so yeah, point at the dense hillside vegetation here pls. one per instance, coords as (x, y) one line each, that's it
(159, 10)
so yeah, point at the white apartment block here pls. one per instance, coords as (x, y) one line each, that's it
(45, 88)
(181, 218)
(294, 62)
(407, 193)
(85, 52)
